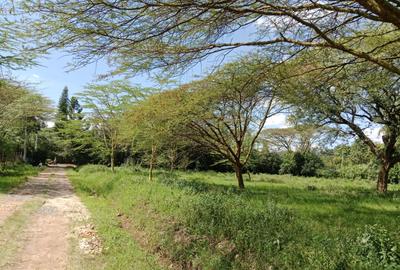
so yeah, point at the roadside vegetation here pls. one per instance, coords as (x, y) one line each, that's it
(201, 220)
(12, 176)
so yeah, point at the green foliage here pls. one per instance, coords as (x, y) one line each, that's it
(304, 164)
(377, 247)
(264, 162)
(359, 171)
(63, 105)
(75, 109)
(12, 176)
(311, 164)
(394, 175)
(23, 114)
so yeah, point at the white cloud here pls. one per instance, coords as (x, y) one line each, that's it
(374, 133)
(31, 79)
(277, 121)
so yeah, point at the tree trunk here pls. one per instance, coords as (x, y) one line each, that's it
(383, 177)
(152, 161)
(24, 155)
(172, 160)
(112, 159)
(239, 175)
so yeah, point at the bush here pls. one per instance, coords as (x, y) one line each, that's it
(300, 164)
(264, 163)
(288, 164)
(327, 173)
(88, 169)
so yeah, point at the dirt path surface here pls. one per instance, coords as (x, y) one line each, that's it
(10, 204)
(47, 237)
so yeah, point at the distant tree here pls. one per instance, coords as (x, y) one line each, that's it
(301, 138)
(75, 109)
(77, 143)
(153, 128)
(106, 104)
(63, 105)
(264, 161)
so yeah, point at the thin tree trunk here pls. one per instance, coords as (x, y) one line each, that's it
(172, 158)
(36, 142)
(152, 161)
(112, 155)
(239, 175)
(383, 177)
(24, 155)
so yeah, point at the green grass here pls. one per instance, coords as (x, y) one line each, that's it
(120, 251)
(13, 176)
(10, 230)
(200, 219)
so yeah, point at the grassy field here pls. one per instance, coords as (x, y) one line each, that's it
(199, 220)
(14, 176)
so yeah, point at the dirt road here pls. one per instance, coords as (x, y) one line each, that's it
(43, 223)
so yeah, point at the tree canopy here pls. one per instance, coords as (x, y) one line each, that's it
(142, 35)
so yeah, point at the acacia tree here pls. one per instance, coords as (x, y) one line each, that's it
(146, 34)
(106, 103)
(18, 49)
(300, 138)
(23, 113)
(353, 99)
(149, 126)
(225, 112)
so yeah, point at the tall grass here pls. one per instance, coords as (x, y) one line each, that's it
(200, 219)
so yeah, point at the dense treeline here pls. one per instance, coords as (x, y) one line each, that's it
(331, 64)
(23, 115)
(217, 123)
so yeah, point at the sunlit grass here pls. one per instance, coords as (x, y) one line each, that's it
(317, 222)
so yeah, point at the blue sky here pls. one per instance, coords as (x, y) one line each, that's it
(51, 76)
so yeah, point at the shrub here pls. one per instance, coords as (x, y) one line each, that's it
(300, 164)
(311, 164)
(288, 164)
(376, 247)
(88, 169)
(264, 163)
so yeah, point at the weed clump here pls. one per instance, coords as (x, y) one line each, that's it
(376, 247)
